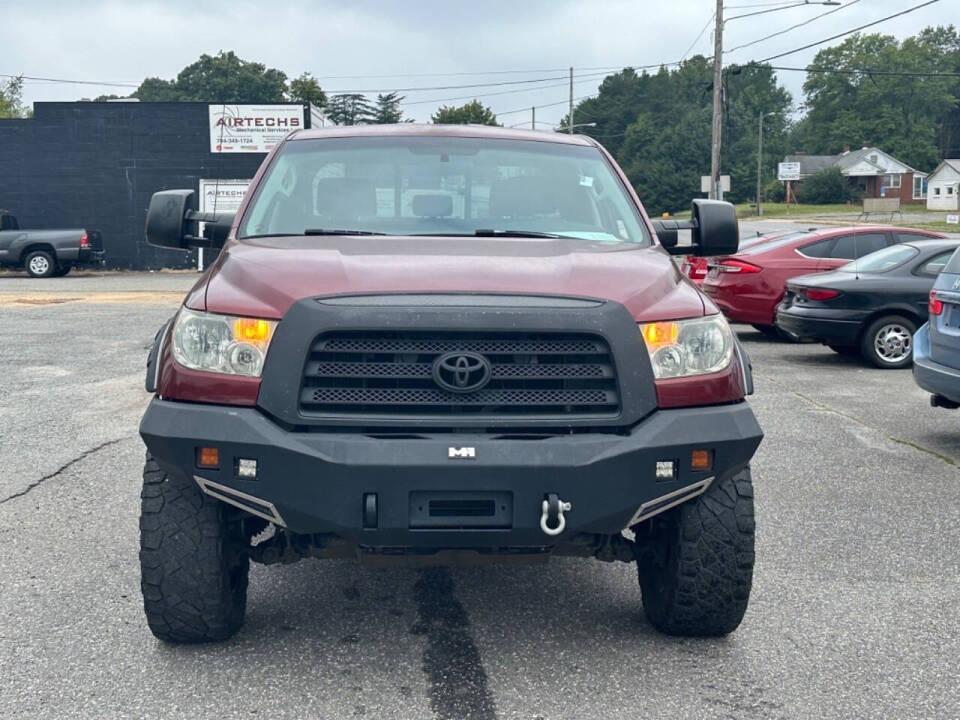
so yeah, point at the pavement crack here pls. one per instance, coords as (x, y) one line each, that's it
(823, 406)
(458, 683)
(65, 466)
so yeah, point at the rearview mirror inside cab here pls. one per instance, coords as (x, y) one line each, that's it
(713, 230)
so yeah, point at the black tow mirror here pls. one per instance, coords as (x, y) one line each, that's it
(713, 226)
(173, 223)
(667, 233)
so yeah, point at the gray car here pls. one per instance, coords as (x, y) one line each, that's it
(936, 346)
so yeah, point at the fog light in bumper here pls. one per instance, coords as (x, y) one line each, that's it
(247, 468)
(666, 470)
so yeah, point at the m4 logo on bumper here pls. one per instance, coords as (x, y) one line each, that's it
(463, 453)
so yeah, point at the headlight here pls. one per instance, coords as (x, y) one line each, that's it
(688, 347)
(221, 343)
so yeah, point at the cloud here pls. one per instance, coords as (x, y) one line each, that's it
(120, 41)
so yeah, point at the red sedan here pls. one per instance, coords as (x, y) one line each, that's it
(749, 285)
(696, 267)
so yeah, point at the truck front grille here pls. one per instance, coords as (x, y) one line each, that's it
(392, 373)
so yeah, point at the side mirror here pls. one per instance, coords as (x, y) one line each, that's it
(717, 231)
(667, 234)
(713, 226)
(172, 223)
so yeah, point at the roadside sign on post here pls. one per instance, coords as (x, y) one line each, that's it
(788, 171)
(705, 183)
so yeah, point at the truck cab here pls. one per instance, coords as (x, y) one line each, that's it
(445, 344)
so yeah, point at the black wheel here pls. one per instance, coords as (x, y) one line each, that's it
(40, 264)
(848, 350)
(62, 270)
(888, 342)
(695, 562)
(193, 560)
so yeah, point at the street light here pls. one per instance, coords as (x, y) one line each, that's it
(760, 159)
(568, 128)
(716, 192)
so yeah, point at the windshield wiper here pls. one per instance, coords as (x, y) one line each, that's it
(323, 231)
(489, 232)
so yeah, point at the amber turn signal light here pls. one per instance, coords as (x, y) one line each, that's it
(701, 460)
(208, 457)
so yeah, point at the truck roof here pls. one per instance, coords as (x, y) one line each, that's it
(431, 130)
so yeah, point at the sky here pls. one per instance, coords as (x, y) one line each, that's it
(382, 45)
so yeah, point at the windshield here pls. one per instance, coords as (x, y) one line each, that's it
(882, 260)
(442, 186)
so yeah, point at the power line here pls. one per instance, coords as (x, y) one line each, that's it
(792, 27)
(464, 73)
(687, 52)
(71, 82)
(866, 71)
(422, 88)
(588, 78)
(560, 102)
(848, 32)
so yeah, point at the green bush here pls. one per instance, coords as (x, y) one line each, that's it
(775, 191)
(826, 187)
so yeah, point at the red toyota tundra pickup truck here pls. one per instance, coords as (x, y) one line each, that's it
(445, 344)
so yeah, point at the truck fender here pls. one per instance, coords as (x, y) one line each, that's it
(153, 359)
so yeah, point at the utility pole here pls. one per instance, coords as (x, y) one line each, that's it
(570, 121)
(716, 191)
(759, 164)
(533, 117)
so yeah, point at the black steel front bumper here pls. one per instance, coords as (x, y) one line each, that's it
(321, 482)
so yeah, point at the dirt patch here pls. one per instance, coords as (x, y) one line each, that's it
(54, 298)
(42, 301)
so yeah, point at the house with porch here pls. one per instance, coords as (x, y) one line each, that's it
(944, 186)
(869, 170)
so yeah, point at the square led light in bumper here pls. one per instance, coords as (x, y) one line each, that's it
(666, 470)
(247, 468)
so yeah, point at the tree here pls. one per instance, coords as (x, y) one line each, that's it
(306, 89)
(387, 109)
(223, 77)
(914, 118)
(472, 113)
(824, 187)
(11, 99)
(349, 109)
(658, 128)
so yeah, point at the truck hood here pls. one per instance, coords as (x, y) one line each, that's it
(264, 277)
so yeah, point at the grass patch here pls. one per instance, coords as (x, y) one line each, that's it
(934, 226)
(776, 210)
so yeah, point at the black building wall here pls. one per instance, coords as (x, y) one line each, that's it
(96, 164)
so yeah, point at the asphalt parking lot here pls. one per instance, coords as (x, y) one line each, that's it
(855, 610)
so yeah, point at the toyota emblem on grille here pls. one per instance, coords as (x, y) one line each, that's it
(461, 372)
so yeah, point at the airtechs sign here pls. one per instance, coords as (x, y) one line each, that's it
(251, 128)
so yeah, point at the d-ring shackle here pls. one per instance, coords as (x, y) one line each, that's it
(553, 505)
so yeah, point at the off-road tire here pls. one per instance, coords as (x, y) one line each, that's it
(193, 560)
(695, 562)
(868, 341)
(37, 259)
